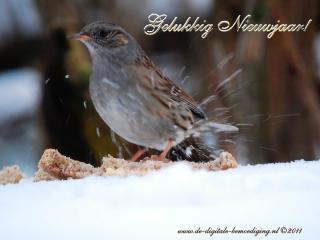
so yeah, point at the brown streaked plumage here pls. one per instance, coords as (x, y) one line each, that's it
(133, 96)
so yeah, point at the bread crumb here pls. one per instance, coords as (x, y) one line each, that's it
(11, 175)
(54, 165)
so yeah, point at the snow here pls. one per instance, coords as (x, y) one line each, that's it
(21, 16)
(20, 100)
(157, 205)
(20, 93)
(20, 135)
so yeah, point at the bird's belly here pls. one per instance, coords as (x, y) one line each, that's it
(126, 118)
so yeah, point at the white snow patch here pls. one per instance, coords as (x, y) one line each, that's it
(19, 16)
(157, 205)
(20, 93)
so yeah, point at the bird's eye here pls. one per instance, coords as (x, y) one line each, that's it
(103, 34)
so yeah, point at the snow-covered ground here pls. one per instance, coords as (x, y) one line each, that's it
(159, 204)
(20, 134)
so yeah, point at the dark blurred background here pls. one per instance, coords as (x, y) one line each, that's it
(268, 87)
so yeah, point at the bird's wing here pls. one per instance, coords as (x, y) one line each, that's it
(165, 91)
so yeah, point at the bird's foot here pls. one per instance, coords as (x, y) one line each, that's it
(137, 155)
(162, 156)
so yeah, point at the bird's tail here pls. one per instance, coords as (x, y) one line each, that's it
(212, 126)
(193, 149)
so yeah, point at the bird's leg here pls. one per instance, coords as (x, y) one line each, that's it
(164, 153)
(137, 155)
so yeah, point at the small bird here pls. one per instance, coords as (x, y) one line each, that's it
(133, 97)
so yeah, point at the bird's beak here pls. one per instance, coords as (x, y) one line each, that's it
(79, 36)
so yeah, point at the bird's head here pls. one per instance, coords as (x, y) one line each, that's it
(107, 39)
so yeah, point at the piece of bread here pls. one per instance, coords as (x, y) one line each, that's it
(54, 165)
(10, 174)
